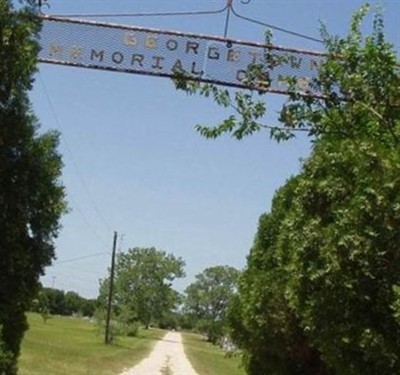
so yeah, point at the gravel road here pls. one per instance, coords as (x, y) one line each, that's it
(167, 358)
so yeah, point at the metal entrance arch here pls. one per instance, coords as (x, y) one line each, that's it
(160, 53)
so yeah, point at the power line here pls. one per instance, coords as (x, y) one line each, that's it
(227, 8)
(277, 28)
(82, 257)
(76, 278)
(151, 14)
(71, 266)
(80, 177)
(89, 225)
(121, 238)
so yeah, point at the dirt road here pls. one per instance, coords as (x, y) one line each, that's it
(167, 358)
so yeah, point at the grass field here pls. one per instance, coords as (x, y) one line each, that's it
(66, 346)
(208, 359)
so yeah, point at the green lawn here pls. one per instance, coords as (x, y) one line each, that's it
(66, 346)
(208, 359)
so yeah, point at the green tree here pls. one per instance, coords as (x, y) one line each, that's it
(55, 301)
(31, 195)
(208, 298)
(59, 303)
(73, 303)
(359, 75)
(143, 284)
(41, 305)
(346, 264)
(330, 260)
(88, 307)
(262, 322)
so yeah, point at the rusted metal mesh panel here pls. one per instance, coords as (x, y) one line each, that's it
(161, 53)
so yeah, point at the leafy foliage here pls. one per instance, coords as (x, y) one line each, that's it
(352, 78)
(346, 261)
(31, 195)
(321, 291)
(143, 285)
(56, 302)
(207, 299)
(263, 323)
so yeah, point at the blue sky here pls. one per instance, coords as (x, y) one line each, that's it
(134, 163)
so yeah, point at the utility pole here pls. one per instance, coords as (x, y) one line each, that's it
(110, 291)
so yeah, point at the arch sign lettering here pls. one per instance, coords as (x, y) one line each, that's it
(152, 52)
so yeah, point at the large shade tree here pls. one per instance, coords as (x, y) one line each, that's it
(207, 299)
(261, 319)
(322, 284)
(143, 284)
(31, 195)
